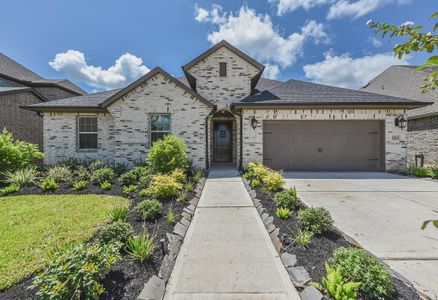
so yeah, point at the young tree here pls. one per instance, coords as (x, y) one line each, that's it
(417, 42)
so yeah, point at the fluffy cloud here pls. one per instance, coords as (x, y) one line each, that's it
(375, 42)
(356, 9)
(125, 70)
(256, 35)
(271, 71)
(345, 71)
(284, 6)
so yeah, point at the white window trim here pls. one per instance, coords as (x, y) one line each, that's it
(158, 131)
(78, 133)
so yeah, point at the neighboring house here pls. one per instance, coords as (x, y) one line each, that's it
(405, 82)
(225, 112)
(19, 87)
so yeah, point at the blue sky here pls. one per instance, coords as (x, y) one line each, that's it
(324, 41)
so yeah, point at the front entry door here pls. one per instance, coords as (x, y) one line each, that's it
(222, 142)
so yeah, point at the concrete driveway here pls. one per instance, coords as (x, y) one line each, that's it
(383, 213)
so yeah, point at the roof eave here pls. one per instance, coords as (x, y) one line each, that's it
(63, 109)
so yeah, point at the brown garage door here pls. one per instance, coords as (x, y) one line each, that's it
(324, 145)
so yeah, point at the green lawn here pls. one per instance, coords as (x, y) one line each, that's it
(32, 225)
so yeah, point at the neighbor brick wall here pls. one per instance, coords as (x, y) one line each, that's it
(54, 93)
(423, 139)
(223, 90)
(24, 124)
(395, 138)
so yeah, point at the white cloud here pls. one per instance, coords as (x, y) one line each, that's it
(377, 43)
(271, 71)
(201, 15)
(359, 8)
(256, 35)
(125, 70)
(214, 15)
(345, 71)
(284, 6)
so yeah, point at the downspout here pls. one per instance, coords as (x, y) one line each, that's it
(241, 141)
(206, 142)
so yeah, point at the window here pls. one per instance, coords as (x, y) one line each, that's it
(222, 69)
(87, 132)
(160, 126)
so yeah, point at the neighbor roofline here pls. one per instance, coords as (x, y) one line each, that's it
(24, 89)
(312, 105)
(424, 115)
(146, 77)
(64, 109)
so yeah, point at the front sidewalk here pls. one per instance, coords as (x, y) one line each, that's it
(227, 252)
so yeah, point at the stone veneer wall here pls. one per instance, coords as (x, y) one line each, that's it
(423, 139)
(223, 90)
(54, 93)
(124, 131)
(395, 138)
(23, 124)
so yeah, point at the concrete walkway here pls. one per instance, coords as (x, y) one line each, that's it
(227, 252)
(383, 213)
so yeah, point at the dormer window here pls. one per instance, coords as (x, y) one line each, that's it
(222, 69)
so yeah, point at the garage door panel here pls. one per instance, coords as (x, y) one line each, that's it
(323, 145)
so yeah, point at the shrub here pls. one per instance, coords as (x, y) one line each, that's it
(189, 186)
(106, 185)
(74, 272)
(115, 232)
(134, 175)
(118, 214)
(147, 209)
(255, 183)
(96, 165)
(80, 185)
(15, 154)
(179, 175)
(168, 154)
(170, 216)
(256, 170)
(273, 181)
(357, 266)
(164, 185)
(101, 175)
(336, 286)
(22, 177)
(128, 190)
(49, 184)
(283, 213)
(315, 220)
(287, 198)
(13, 188)
(82, 173)
(60, 173)
(423, 172)
(118, 168)
(304, 238)
(141, 247)
(197, 177)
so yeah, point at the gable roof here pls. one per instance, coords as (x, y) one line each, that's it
(302, 93)
(20, 89)
(404, 81)
(101, 101)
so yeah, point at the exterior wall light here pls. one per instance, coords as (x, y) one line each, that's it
(253, 122)
(400, 122)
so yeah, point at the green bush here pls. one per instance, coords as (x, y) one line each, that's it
(82, 173)
(15, 154)
(168, 154)
(100, 175)
(147, 210)
(49, 184)
(115, 232)
(128, 178)
(118, 214)
(80, 185)
(141, 247)
(357, 266)
(315, 220)
(272, 180)
(255, 183)
(336, 286)
(22, 177)
(164, 185)
(304, 238)
(96, 165)
(134, 175)
(106, 185)
(74, 272)
(60, 173)
(283, 213)
(423, 172)
(130, 189)
(13, 188)
(287, 198)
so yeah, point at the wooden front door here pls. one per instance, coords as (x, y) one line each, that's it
(222, 142)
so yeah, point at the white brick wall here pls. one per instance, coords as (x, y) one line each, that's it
(395, 138)
(223, 90)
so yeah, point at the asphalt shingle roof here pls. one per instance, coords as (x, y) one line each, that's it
(11, 68)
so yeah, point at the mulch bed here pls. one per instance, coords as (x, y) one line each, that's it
(127, 278)
(320, 249)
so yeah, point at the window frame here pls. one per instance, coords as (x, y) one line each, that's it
(151, 115)
(78, 133)
(222, 69)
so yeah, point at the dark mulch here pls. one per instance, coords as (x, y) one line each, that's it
(320, 249)
(127, 278)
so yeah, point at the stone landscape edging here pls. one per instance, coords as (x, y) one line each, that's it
(155, 287)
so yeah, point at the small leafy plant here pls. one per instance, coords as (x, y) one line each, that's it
(80, 185)
(22, 177)
(315, 220)
(164, 186)
(60, 173)
(100, 175)
(170, 216)
(106, 185)
(12, 188)
(130, 189)
(189, 186)
(287, 198)
(115, 232)
(304, 238)
(283, 213)
(336, 286)
(96, 165)
(118, 214)
(49, 184)
(147, 209)
(141, 247)
(197, 177)
(273, 181)
(255, 183)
